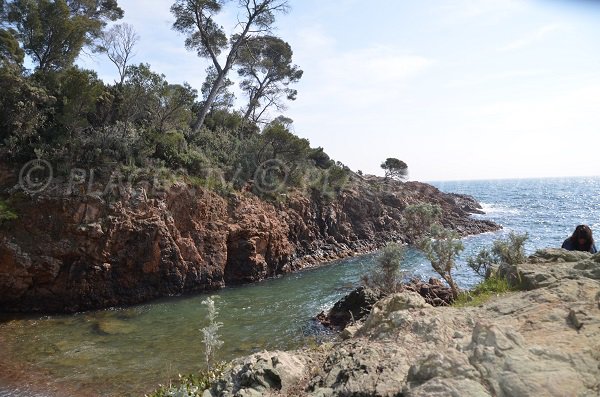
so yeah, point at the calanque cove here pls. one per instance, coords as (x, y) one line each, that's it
(212, 198)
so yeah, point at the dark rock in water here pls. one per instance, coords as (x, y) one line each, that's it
(467, 203)
(358, 303)
(352, 307)
(435, 292)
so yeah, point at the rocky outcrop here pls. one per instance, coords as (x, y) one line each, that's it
(262, 373)
(73, 250)
(434, 291)
(544, 341)
(351, 308)
(358, 303)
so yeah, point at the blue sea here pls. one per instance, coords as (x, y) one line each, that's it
(547, 209)
(152, 343)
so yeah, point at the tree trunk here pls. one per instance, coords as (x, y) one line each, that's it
(209, 101)
(453, 286)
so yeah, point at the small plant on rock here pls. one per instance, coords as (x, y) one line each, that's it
(504, 252)
(190, 385)
(385, 275)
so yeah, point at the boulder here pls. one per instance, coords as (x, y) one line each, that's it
(351, 308)
(260, 374)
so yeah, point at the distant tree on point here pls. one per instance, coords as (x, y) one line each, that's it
(395, 169)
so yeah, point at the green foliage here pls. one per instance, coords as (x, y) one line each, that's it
(274, 158)
(320, 158)
(195, 19)
(6, 213)
(25, 107)
(487, 289)
(11, 54)
(419, 218)
(77, 92)
(54, 32)
(394, 168)
(509, 251)
(191, 385)
(385, 275)
(120, 143)
(265, 65)
(69, 117)
(441, 247)
(512, 250)
(150, 101)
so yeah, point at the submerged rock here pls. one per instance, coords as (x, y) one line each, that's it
(111, 326)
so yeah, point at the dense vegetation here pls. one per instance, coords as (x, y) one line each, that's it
(66, 115)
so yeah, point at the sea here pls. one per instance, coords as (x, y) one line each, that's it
(129, 351)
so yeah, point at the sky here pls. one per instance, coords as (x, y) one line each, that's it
(458, 89)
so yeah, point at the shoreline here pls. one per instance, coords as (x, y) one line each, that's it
(524, 343)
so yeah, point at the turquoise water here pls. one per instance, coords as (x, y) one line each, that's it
(127, 351)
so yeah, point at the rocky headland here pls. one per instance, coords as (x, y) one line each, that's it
(73, 249)
(541, 341)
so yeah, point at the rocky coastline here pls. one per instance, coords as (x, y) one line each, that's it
(70, 251)
(543, 340)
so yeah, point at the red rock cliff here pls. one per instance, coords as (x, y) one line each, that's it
(79, 252)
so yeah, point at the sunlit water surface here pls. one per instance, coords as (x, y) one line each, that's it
(128, 351)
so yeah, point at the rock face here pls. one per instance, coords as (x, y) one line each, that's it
(70, 251)
(544, 341)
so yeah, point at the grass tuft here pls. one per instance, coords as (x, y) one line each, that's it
(191, 385)
(484, 291)
(6, 214)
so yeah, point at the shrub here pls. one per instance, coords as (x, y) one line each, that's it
(441, 246)
(419, 218)
(385, 275)
(210, 333)
(509, 251)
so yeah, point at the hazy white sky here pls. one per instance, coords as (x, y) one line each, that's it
(458, 89)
